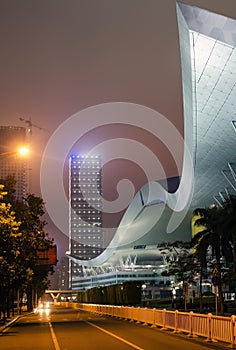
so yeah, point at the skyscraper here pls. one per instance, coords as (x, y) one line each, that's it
(86, 233)
(11, 138)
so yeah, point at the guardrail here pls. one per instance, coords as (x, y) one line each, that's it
(213, 328)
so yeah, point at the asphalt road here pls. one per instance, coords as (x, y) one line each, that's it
(57, 328)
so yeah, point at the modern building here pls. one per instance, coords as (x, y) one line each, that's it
(11, 163)
(208, 66)
(86, 232)
(63, 276)
(59, 280)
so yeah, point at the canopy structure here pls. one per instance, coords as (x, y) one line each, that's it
(208, 59)
(213, 55)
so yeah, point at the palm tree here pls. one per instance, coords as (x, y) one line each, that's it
(210, 236)
(228, 223)
(200, 253)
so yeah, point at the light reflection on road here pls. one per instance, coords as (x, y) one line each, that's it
(43, 309)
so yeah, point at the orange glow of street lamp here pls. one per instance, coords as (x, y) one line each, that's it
(23, 151)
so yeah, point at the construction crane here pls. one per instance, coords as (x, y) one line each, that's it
(31, 125)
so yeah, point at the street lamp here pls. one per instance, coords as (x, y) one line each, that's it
(15, 163)
(22, 151)
(143, 289)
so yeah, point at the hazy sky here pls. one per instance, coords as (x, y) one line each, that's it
(61, 56)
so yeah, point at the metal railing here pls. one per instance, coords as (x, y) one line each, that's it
(213, 328)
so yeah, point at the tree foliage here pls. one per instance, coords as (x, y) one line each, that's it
(217, 240)
(179, 261)
(10, 237)
(22, 232)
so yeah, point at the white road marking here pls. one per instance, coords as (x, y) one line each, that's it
(54, 338)
(116, 336)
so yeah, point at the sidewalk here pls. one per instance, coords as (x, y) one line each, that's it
(11, 320)
(8, 322)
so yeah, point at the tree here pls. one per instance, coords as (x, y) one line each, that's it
(200, 254)
(211, 236)
(29, 212)
(10, 237)
(228, 224)
(180, 263)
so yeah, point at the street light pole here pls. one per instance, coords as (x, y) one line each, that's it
(144, 297)
(21, 151)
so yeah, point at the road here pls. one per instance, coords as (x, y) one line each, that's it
(57, 328)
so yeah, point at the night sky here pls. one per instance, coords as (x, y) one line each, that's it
(59, 57)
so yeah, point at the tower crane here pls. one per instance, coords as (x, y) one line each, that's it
(31, 125)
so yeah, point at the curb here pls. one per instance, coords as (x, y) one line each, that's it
(8, 324)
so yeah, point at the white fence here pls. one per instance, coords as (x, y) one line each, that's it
(211, 327)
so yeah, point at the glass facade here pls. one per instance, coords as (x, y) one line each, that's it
(86, 232)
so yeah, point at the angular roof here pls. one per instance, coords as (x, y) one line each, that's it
(213, 51)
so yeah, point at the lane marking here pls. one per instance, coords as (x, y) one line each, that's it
(54, 338)
(115, 336)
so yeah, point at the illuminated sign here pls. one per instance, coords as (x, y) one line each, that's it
(47, 256)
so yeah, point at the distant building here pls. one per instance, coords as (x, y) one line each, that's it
(60, 278)
(86, 233)
(11, 138)
(63, 274)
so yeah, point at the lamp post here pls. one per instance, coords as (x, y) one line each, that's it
(143, 289)
(22, 151)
